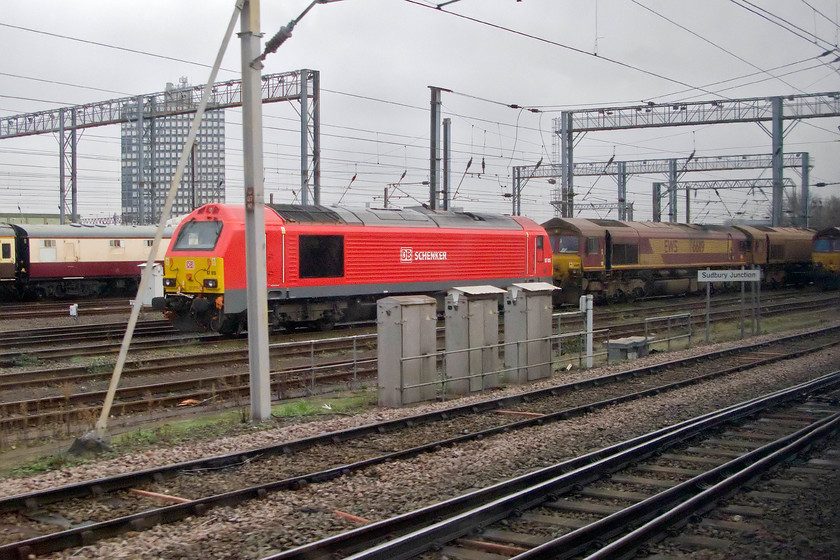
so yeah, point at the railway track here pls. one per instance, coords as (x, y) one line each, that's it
(12, 311)
(122, 503)
(68, 341)
(72, 401)
(614, 502)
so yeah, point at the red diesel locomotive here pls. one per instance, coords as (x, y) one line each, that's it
(326, 264)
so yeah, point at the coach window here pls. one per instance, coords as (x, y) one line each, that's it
(201, 236)
(7, 251)
(592, 246)
(321, 256)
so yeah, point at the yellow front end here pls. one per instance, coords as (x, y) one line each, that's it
(827, 262)
(193, 275)
(566, 268)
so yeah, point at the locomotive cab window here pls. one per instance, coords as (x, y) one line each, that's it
(565, 244)
(822, 246)
(593, 247)
(201, 236)
(321, 256)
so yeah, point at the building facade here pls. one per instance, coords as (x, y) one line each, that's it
(148, 166)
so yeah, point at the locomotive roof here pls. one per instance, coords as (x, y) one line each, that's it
(595, 227)
(406, 217)
(97, 231)
(830, 233)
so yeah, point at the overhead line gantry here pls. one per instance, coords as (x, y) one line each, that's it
(301, 85)
(775, 110)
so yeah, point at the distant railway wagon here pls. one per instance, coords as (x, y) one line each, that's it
(58, 261)
(327, 263)
(615, 260)
(826, 257)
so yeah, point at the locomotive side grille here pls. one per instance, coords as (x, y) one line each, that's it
(311, 214)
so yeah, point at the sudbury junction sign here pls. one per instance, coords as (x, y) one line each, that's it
(752, 275)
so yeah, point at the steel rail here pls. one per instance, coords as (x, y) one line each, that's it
(669, 510)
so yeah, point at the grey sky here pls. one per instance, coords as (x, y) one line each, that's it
(377, 59)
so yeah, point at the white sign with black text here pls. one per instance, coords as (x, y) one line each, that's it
(751, 275)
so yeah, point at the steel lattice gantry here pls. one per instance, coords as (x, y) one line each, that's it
(690, 186)
(773, 109)
(301, 85)
(673, 167)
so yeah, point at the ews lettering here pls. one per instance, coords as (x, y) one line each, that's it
(694, 246)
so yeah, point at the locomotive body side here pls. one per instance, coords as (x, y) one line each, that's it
(325, 264)
(614, 259)
(783, 253)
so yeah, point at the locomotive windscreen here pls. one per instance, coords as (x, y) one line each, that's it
(197, 235)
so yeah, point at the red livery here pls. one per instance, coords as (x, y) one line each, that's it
(328, 263)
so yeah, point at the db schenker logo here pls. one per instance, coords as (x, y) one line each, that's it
(406, 254)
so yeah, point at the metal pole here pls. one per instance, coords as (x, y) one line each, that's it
(688, 206)
(586, 307)
(805, 203)
(255, 213)
(743, 288)
(192, 176)
(708, 307)
(622, 190)
(434, 149)
(61, 178)
(316, 137)
(447, 168)
(657, 202)
(74, 174)
(516, 188)
(140, 210)
(778, 161)
(758, 303)
(672, 191)
(567, 189)
(304, 139)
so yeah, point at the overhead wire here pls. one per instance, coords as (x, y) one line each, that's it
(712, 43)
(563, 46)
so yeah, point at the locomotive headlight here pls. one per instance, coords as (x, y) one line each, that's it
(210, 283)
(169, 282)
